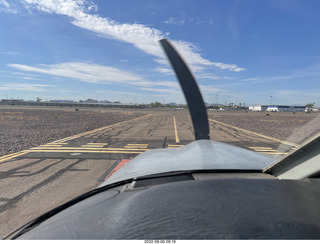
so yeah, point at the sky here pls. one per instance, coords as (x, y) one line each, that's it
(250, 51)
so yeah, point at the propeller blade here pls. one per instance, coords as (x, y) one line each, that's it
(191, 91)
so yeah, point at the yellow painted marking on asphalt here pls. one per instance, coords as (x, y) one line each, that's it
(265, 150)
(92, 146)
(97, 143)
(62, 149)
(11, 156)
(138, 144)
(100, 129)
(174, 146)
(61, 140)
(254, 133)
(132, 147)
(260, 148)
(82, 151)
(175, 129)
(275, 153)
(278, 153)
(51, 145)
(56, 143)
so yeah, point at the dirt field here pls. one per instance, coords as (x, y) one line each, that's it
(25, 127)
(293, 127)
(22, 128)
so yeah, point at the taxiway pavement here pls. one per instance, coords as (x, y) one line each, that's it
(38, 179)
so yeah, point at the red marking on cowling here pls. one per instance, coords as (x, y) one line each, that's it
(122, 162)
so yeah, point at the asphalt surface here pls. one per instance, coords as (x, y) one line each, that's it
(38, 179)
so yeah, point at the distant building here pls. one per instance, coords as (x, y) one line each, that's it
(277, 108)
(258, 108)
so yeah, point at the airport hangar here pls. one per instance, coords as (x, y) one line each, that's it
(277, 108)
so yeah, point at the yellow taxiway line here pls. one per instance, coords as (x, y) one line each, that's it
(82, 151)
(137, 144)
(92, 146)
(280, 153)
(267, 150)
(99, 129)
(256, 134)
(57, 145)
(175, 129)
(13, 155)
(86, 148)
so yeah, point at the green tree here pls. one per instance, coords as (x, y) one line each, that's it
(310, 105)
(155, 104)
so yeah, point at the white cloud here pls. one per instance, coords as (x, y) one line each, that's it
(165, 71)
(6, 7)
(161, 61)
(11, 53)
(162, 95)
(171, 84)
(251, 79)
(180, 21)
(29, 78)
(213, 77)
(86, 72)
(141, 36)
(25, 87)
(171, 21)
(209, 89)
(247, 82)
(161, 90)
(4, 3)
(231, 67)
(91, 73)
(187, 20)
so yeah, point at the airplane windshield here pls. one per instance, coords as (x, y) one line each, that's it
(86, 90)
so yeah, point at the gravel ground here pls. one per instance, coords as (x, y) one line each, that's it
(287, 126)
(23, 128)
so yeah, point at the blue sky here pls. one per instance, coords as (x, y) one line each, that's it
(239, 51)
